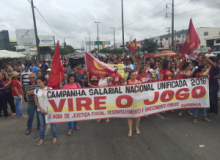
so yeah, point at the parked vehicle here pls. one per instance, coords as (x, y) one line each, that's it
(216, 49)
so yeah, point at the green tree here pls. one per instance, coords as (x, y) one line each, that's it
(70, 48)
(104, 50)
(149, 46)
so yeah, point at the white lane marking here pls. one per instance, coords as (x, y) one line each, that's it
(160, 116)
(201, 146)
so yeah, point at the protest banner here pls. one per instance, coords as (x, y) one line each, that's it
(120, 68)
(130, 101)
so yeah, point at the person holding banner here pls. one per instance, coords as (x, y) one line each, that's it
(166, 74)
(202, 71)
(39, 101)
(132, 79)
(213, 84)
(143, 76)
(187, 73)
(79, 77)
(71, 84)
(104, 82)
(118, 78)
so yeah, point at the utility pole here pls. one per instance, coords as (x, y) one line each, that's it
(122, 19)
(89, 42)
(35, 30)
(98, 34)
(172, 25)
(113, 36)
(168, 30)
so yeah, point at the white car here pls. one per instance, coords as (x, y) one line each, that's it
(216, 49)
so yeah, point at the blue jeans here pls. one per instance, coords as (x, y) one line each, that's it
(42, 126)
(70, 125)
(18, 106)
(213, 91)
(31, 110)
(195, 112)
(3, 105)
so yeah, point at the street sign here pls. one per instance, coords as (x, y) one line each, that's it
(96, 42)
(90, 42)
(25, 37)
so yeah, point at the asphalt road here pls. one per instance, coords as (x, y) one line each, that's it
(163, 137)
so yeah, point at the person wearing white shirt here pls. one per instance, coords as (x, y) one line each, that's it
(209, 54)
(127, 65)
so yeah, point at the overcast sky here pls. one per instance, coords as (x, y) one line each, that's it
(73, 19)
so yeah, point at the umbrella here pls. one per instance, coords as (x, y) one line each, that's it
(150, 55)
(165, 54)
(102, 55)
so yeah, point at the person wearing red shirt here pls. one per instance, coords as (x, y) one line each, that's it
(132, 79)
(117, 78)
(137, 66)
(9, 96)
(82, 71)
(119, 61)
(143, 76)
(165, 73)
(93, 80)
(202, 71)
(50, 83)
(17, 92)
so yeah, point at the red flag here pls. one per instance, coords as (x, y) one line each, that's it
(132, 46)
(96, 67)
(192, 40)
(57, 72)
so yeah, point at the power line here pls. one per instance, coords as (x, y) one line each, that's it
(145, 14)
(197, 9)
(46, 21)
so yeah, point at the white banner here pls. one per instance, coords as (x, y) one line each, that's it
(130, 101)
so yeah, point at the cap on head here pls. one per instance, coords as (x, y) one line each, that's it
(209, 49)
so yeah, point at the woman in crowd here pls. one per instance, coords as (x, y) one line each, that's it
(202, 71)
(159, 67)
(174, 69)
(187, 73)
(200, 59)
(39, 101)
(79, 77)
(148, 69)
(195, 65)
(104, 82)
(3, 100)
(9, 96)
(71, 84)
(50, 83)
(132, 80)
(137, 66)
(154, 73)
(17, 93)
(143, 76)
(64, 67)
(39, 74)
(178, 60)
(166, 74)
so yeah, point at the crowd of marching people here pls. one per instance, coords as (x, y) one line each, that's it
(24, 83)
